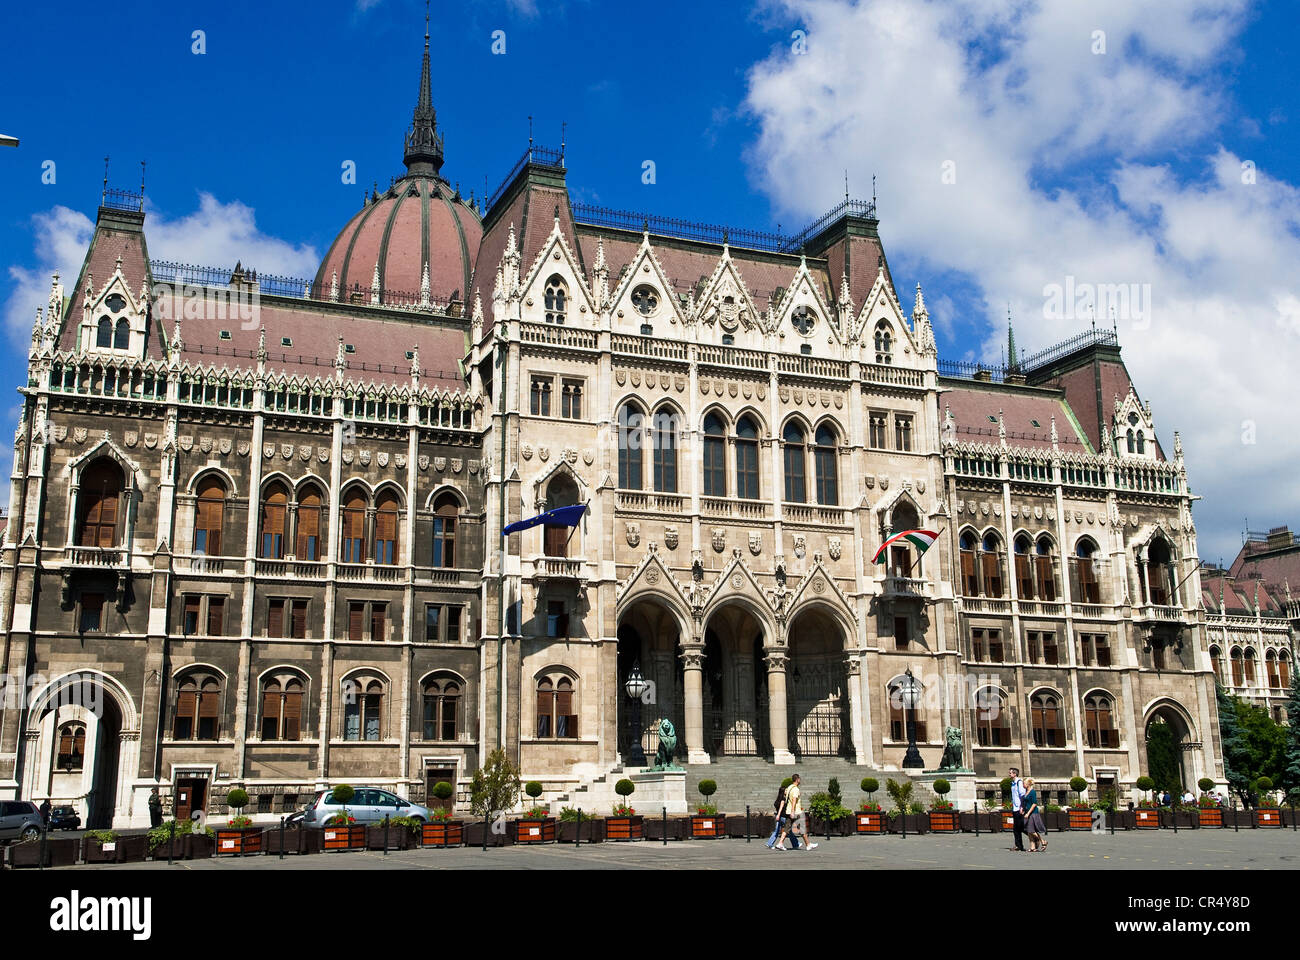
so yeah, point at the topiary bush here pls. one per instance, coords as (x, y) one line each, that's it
(624, 788)
(707, 789)
(1078, 784)
(237, 798)
(343, 794)
(1146, 785)
(1206, 784)
(869, 786)
(833, 789)
(533, 789)
(941, 787)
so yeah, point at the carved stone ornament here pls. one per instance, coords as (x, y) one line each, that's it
(440, 464)
(382, 458)
(762, 391)
(131, 437)
(664, 381)
(457, 464)
(323, 454)
(833, 547)
(997, 509)
(652, 576)
(224, 445)
(79, 434)
(679, 383)
(348, 455)
(670, 538)
(544, 453)
(961, 507)
(61, 432)
(635, 377)
(884, 483)
(242, 447)
(423, 461)
(363, 456)
(268, 451)
(1015, 512)
(185, 442)
(151, 441)
(399, 460)
(633, 534)
(304, 453)
(800, 545)
(286, 451)
(870, 481)
(205, 444)
(818, 585)
(1038, 512)
(473, 465)
(588, 456)
(839, 401)
(719, 539)
(920, 486)
(620, 377)
(755, 543)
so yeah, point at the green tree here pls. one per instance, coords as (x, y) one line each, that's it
(495, 786)
(1162, 757)
(1265, 742)
(1291, 775)
(1235, 761)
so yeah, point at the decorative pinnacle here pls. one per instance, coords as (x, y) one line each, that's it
(423, 153)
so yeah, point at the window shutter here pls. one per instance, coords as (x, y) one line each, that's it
(183, 728)
(275, 618)
(208, 727)
(970, 583)
(292, 714)
(191, 615)
(271, 713)
(356, 616)
(216, 616)
(378, 620)
(300, 619)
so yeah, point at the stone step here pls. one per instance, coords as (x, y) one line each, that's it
(754, 782)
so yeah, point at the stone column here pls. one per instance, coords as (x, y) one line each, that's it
(778, 729)
(857, 729)
(693, 674)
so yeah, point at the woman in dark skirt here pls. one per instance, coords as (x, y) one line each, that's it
(1034, 823)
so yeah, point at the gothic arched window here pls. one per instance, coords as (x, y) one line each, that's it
(747, 459)
(631, 439)
(274, 505)
(556, 299)
(209, 516)
(715, 456)
(445, 511)
(824, 455)
(100, 493)
(796, 487)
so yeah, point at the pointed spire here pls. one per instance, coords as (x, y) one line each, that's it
(424, 287)
(261, 347)
(38, 331)
(1055, 436)
(374, 284)
(918, 309)
(1013, 361)
(334, 286)
(415, 362)
(476, 318)
(340, 358)
(1002, 428)
(177, 344)
(423, 154)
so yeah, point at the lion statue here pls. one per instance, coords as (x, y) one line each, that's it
(667, 744)
(952, 753)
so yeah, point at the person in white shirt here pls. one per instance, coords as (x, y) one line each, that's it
(1017, 812)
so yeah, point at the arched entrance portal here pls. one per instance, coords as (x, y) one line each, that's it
(735, 684)
(648, 634)
(818, 687)
(1169, 743)
(77, 732)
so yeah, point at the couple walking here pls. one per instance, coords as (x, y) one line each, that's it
(789, 818)
(1027, 814)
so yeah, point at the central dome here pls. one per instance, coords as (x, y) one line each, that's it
(419, 232)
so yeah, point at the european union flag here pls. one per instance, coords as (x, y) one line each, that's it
(559, 517)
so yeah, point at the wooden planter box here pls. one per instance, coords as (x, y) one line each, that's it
(61, 852)
(475, 829)
(398, 838)
(708, 826)
(1209, 817)
(676, 828)
(760, 825)
(443, 833)
(869, 821)
(817, 827)
(96, 852)
(241, 841)
(1008, 820)
(1267, 817)
(346, 837)
(1080, 818)
(1146, 818)
(943, 821)
(624, 828)
(1186, 819)
(988, 822)
(916, 823)
(535, 831)
(296, 841)
(592, 830)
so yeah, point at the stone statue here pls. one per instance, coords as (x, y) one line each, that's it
(667, 744)
(952, 753)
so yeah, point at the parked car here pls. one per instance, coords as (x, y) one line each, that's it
(369, 805)
(65, 818)
(19, 819)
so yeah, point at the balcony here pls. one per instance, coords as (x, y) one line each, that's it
(985, 605)
(735, 508)
(290, 569)
(444, 575)
(370, 572)
(201, 564)
(1160, 614)
(1092, 611)
(95, 557)
(558, 569)
(1041, 608)
(813, 513)
(647, 502)
(903, 587)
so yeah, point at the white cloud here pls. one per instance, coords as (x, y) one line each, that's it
(1061, 159)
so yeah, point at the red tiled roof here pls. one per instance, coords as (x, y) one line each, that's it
(972, 405)
(380, 343)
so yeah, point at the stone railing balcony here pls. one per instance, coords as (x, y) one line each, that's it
(558, 568)
(1042, 608)
(373, 572)
(735, 508)
(903, 586)
(1092, 611)
(200, 564)
(96, 556)
(1164, 614)
(813, 513)
(645, 501)
(985, 605)
(294, 569)
(443, 575)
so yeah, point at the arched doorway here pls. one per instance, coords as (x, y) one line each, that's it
(76, 733)
(560, 492)
(648, 636)
(1168, 739)
(817, 681)
(735, 684)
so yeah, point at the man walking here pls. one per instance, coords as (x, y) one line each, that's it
(782, 818)
(794, 810)
(1017, 811)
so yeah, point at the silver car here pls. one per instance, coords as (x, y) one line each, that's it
(370, 805)
(19, 819)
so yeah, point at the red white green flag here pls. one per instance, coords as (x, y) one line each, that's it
(921, 539)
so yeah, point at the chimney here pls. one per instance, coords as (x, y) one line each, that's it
(1279, 537)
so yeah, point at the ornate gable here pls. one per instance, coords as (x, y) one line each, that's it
(631, 306)
(803, 313)
(725, 302)
(556, 258)
(114, 321)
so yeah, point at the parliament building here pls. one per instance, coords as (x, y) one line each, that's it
(255, 523)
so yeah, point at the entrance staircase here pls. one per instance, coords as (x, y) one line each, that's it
(741, 780)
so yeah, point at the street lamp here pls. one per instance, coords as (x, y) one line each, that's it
(909, 692)
(636, 687)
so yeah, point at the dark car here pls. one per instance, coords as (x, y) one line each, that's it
(65, 818)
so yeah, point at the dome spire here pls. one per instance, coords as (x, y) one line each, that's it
(423, 154)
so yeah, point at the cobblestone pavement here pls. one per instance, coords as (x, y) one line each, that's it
(1187, 850)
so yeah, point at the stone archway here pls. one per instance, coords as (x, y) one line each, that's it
(97, 778)
(734, 690)
(649, 634)
(1169, 747)
(818, 685)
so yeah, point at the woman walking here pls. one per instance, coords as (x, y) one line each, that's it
(1035, 826)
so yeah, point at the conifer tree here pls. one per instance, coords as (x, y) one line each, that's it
(1234, 746)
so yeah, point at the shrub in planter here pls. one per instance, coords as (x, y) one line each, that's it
(160, 839)
(943, 817)
(397, 834)
(443, 829)
(869, 786)
(59, 852)
(101, 846)
(828, 814)
(238, 835)
(624, 824)
(342, 832)
(494, 789)
(707, 822)
(443, 791)
(1146, 785)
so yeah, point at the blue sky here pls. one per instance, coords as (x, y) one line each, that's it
(1123, 165)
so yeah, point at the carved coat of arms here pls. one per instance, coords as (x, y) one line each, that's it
(131, 437)
(205, 444)
(224, 445)
(382, 458)
(423, 461)
(241, 447)
(833, 547)
(633, 534)
(186, 442)
(800, 545)
(364, 457)
(755, 542)
(719, 539)
(670, 538)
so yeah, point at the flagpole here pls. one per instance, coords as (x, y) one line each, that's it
(585, 507)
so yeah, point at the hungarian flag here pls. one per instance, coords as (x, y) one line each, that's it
(921, 539)
(559, 517)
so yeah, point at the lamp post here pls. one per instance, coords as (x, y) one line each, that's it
(636, 686)
(910, 693)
